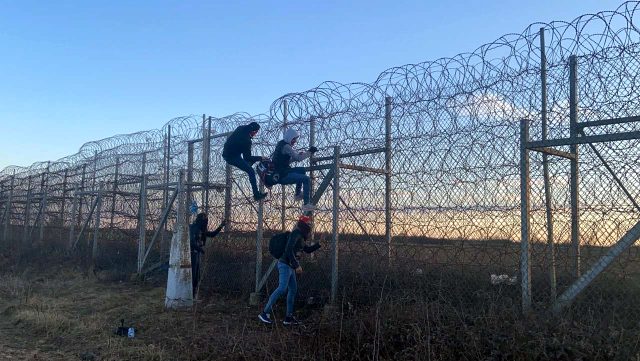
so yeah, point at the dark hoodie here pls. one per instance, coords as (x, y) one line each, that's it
(239, 143)
(198, 233)
(295, 244)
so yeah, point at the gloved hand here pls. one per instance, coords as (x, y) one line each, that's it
(313, 149)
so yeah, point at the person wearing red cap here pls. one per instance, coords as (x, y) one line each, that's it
(288, 266)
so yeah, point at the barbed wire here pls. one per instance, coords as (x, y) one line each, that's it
(455, 143)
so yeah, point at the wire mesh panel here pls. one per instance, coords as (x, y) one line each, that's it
(454, 169)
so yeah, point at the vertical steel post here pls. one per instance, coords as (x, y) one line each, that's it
(283, 198)
(43, 212)
(573, 119)
(82, 188)
(142, 218)
(165, 196)
(388, 107)
(551, 254)
(7, 217)
(259, 236)
(227, 197)
(202, 161)
(335, 230)
(114, 189)
(189, 187)
(207, 159)
(312, 174)
(64, 197)
(75, 203)
(95, 170)
(96, 226)
(27, 213)
(525, 249)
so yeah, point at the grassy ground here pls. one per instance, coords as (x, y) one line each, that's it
(51, 309)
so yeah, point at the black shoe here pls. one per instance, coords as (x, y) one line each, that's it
(260, 196)
(264, 317)
(291, 320)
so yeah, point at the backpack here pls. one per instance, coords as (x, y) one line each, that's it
(267, 173)
(278, 243)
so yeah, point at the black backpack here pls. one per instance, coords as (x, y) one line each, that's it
(278, 243)
(266, 172)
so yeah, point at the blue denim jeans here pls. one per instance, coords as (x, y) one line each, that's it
(244, 166)
(298, 177)
(286, 281)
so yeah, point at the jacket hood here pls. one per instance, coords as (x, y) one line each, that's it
(289, 134)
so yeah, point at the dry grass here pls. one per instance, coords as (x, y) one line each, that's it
(66, 313)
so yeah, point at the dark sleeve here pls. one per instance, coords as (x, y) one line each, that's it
(310, 249)
(289, 250)
(246, 153)
(213, 233)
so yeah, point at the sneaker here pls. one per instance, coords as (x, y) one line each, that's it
(260, 196)
(298, 197)
(264, 317)
(291, 320)
(308, 207)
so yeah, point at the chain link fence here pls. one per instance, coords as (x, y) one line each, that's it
(455, 178)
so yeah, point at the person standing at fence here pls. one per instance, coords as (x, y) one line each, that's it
(282, 157)
(198, 235)
(237, 152)
(288, 266)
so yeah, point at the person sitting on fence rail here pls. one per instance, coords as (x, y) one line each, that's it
(282, 157)
(237, 152)
(198, 238)
(285, 246)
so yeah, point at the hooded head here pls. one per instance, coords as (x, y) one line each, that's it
(201, 221)
(304, 225)
(290, 134)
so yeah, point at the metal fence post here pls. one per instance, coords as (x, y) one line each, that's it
(7, 217)
(96, 226)
(115, 190)
(228, 180)
(573, 119)
(283, 198)
(335, 230)
(545, 166)
(312, 174)
(255, 296)
(388, 107)
(74, 205)
(43, 212)
(27, 214)
(525, 249)
(142, 217)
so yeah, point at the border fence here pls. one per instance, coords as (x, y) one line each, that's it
(518, 160)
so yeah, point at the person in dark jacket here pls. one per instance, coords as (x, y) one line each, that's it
(283, 156)
(237, 152)
(198, 238)
(288, 266)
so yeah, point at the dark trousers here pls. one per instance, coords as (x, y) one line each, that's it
(195, 271)
(244, 166)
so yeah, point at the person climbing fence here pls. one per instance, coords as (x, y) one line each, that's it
(198, 235)
(283, 156)
(237, 152)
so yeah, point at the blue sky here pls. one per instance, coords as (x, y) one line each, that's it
(76, 71)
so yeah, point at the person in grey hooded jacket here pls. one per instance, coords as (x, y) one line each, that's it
(282, 158)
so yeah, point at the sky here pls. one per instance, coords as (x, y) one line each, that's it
(77, 71)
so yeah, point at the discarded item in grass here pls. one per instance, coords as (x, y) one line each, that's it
(123, 330)
(503, 279)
